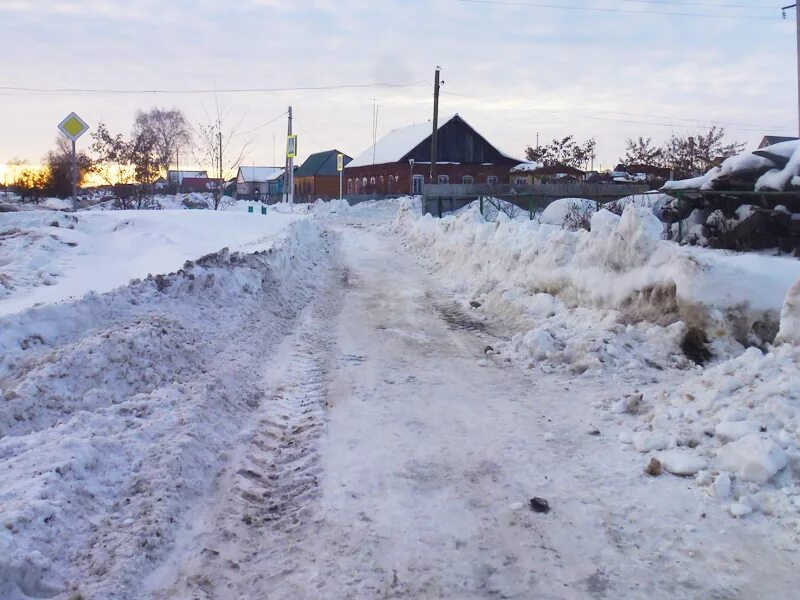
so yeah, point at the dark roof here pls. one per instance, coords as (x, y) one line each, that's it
(321, 163)
(769, 140)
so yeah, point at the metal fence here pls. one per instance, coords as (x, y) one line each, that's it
(439, 199)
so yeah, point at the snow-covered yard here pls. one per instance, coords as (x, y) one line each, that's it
(46, 257)
(359, 401)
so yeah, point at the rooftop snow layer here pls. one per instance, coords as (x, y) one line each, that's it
(259, 174)
(395, 145)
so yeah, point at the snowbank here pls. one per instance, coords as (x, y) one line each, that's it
(116, 410)
(48, 257)
(559, 211)
(790, 317)
(620, 279)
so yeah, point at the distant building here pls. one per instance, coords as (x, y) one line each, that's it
(259, 183)
(191, 185)
(317, 177)
(769, 140)
(531, 173)
(175, 178)
(463, 156)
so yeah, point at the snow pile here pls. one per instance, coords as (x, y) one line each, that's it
(49, 257)
(615, 295)
(790, 317)
(562, 210)
(116, 410)
(735, 427)
(773, 168)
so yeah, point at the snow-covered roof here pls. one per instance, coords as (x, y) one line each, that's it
(259, 174)
(526, 166)
(392, 147)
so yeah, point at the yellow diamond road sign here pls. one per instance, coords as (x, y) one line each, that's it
(73, 127)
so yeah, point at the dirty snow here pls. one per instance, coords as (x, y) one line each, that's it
(362, 401)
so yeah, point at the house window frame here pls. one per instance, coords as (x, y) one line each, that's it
(467, 180)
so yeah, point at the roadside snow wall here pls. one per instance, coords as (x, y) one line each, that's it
(116, 411)
(621, 265)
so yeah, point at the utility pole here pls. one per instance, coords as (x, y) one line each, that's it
(177, 167)
(289, 176)
(220, 165)
(434, 137)
(797, 19)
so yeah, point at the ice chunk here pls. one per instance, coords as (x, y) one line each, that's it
(681, 462)
(729, 431)
(753, 458)
(647, 441)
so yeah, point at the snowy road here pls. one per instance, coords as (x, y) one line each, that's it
(395, 458)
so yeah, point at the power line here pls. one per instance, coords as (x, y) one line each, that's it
(703, 5)
(617, 10)
(270, 122)
(210, 90)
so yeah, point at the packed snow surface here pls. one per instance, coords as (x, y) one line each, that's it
(49, 257)
(290, 418)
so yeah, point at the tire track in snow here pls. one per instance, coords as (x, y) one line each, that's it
(265, 501)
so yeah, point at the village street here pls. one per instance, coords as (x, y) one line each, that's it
(393, 457)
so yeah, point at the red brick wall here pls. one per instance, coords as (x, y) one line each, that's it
(401, 172)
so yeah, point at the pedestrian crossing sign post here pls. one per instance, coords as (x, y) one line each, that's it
(291, 146)
(73, 127)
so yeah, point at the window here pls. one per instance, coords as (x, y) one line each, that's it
(358, 186)
(491, 180)
(467, 180)
(372, 181)
(419, 181)
(382, 181)
(364, 183)
(350, 185)
(520, 181)
(444, 179)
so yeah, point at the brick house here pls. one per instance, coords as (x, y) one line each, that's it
(463, 156)
(317, 177)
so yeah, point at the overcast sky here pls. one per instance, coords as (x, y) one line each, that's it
(510, 70)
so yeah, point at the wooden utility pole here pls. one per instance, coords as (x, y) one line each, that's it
(289, 175)
(220, 165)
(435, 136)
(797, 18)
(177, 169)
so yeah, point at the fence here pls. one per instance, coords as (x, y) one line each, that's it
(438, 199)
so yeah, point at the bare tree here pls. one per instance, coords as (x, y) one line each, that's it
(58, 168)
(564, 151)
(642, 151)
(113, 160)
(136, 160)
(492, 207)
(166, 130)
(216, 146)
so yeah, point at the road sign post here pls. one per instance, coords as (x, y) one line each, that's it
(340, 168)
(291, 153)
(73, 127)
